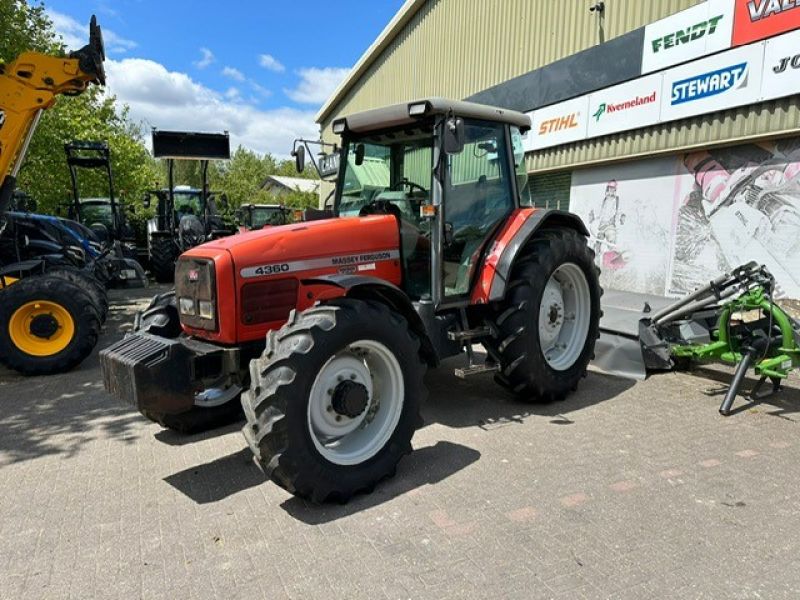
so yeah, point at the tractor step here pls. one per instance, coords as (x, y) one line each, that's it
(471, 370)
(469, 334)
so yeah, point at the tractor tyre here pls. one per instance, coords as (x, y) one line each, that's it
(161, 318)
(545, 329)
(50, 325)
(88, 283)
(163, 254)
(334, 399)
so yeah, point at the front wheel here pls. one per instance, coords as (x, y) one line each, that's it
(334, 400)
(547, 325)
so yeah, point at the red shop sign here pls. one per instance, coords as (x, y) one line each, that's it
(759, 19)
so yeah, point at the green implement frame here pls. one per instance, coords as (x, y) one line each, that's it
(767, 343)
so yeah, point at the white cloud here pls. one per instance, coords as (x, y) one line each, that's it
(232, 73)
(316, 84)
(206, 59)
(76, 34)
(271, 63)
(172, 100)
(233, 93)
(260, 89)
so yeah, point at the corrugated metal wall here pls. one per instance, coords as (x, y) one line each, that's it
(456, 48)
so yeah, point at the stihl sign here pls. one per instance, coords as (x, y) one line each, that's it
(559, 124)
(759, 19)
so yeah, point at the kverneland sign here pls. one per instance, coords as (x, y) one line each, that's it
(606, 108)
(626, 106)
(759, 19)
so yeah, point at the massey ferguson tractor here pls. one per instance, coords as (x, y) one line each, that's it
(431, 247)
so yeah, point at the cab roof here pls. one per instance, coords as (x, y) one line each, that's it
(399, 114)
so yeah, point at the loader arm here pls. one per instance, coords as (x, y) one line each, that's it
(30, 85)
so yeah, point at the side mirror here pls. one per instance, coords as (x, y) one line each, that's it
(299, 154)
(454, 135)
(360, 149)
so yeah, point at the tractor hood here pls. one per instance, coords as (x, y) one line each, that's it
(328, 239)
(262, 275)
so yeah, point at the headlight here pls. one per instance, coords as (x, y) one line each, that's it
(186, 306)
(205, 308)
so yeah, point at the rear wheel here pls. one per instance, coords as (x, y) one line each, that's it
(214, 407)
(547, 325)
(334, 400)
(162, 258)
(50, 325)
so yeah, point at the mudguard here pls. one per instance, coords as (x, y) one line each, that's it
(365, 287)
(511, 242)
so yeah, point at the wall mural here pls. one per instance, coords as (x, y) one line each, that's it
(668, 225)
(739, 204)
(629, 225)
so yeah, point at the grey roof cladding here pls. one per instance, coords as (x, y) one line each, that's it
(595, 68)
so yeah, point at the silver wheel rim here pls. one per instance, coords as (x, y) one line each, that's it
(564, 315)
(350, 441)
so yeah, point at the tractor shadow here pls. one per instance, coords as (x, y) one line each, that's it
(425, 466)
(480, 402)
(218, 479)
(785, 404)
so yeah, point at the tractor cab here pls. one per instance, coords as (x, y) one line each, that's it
(104, 215)
(257, 216)
(451, 172)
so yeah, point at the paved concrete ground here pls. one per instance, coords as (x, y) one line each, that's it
(623, 491)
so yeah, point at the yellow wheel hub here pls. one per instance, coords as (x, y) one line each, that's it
(41, 328)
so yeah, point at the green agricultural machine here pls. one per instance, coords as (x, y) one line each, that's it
(734, 319)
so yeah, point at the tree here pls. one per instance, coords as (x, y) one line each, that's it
(24, 27)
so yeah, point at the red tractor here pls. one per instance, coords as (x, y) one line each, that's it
(432, 246)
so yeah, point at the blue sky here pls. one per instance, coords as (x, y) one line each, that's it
(259, 69)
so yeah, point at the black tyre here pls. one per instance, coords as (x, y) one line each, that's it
(49, 325)
(161, 318)
(547, 326)
(162, 259)
(88, 283)
(334, 400)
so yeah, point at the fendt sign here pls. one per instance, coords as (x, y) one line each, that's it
(687, 35)
(759, 19)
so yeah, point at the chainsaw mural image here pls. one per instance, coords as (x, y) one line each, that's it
(736, 205)
(669, 225)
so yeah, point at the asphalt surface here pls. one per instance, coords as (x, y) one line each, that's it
(623, 491)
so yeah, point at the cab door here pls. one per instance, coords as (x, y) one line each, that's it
(478, 196)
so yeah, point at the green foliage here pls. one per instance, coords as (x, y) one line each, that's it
(241, 179)
(91, 116)
(24, 27)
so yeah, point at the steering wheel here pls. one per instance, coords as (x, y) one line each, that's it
(404, 182)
